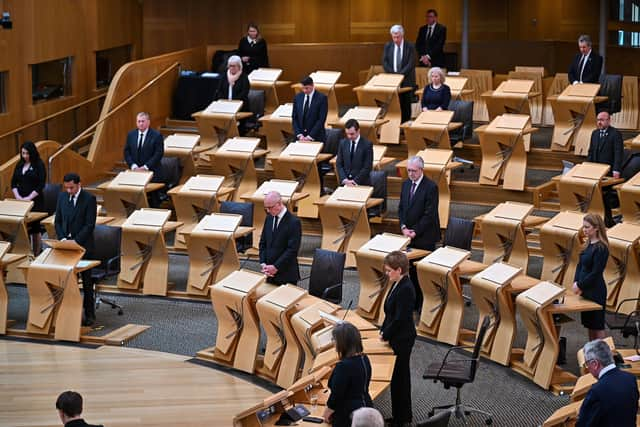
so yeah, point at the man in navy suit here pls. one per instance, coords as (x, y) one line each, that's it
(418, 212)
(309, 113)
(587, 65)
(355, 157)
(430, 42)
(75, 220)
(143, 151)
(399, 57)
(69, 406)
(280, 242)
(613, 400)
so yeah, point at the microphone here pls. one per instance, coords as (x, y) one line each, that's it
(347, 310)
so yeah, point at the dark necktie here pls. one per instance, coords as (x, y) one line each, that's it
(140, 140)
(580, 67)
(305, 109)
(413, 190)
(429, 32)
(275, 223)
(353, 150)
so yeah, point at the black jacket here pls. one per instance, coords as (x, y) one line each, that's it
(592, 69)
(434, 47)
(32, 180)
(240, 91)
(152, 150)
(76, 222)
(258, 57)
(313, 124)
(421, 212)
(360, 168)
(398, 323)
(281, 249)
(349, 385)
(80, 423)
(609, 150)
(408, 68)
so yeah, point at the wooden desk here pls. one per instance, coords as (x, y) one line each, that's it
(369, 119)
(560, 241)
(183, 146)
(6, 259)
(383, 91)
(218, 122)
(126, 193)
(511, 97)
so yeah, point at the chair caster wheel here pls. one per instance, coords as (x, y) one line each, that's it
(430, 414)
(488, 421)
(120, 313)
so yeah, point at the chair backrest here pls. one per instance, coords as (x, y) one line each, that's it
(611, 87)
(219, 60)
(106, 244)
(441, 419)
(256, 102)
(459, 233)
(50, 196)
(478, 345)
(327, 270)
(379, 184)
(462, 112)
(630, 165)
(332, 140)
(170, 172)
(246, 210)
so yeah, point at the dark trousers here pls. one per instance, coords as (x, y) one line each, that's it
(405, 105)
(88, 301)
(610, 201)
(401, 382)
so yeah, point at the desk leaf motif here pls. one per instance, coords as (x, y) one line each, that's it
(382, 280)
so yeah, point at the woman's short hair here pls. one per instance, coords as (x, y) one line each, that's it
(235, 59)
(396, 260)
(437, 70)
(347, 339)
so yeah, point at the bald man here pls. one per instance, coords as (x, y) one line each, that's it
(280, 242)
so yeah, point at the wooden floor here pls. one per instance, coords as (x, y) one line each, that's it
(120, 386)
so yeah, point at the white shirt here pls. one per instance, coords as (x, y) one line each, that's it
(584, 60)
(75, 197)
(396, 66)
(355, 146)
(417, 183)
(281, 215)
(144, 136)
(250, 40)
(606, 369)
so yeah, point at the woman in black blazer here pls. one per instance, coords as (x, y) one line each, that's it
(589, 278)
(235, 85)
(349, 381)
(253, 50)
(27, 183)
(399, 330)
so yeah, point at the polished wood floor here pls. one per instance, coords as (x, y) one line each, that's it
(120, 386)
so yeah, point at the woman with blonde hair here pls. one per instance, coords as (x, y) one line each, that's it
(589, 278)
(436, 95)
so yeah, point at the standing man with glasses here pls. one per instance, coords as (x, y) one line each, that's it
(280, 242)
(587, 65)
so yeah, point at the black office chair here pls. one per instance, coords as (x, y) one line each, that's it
(611, 87)
(330, 146)
(379, 184)
(325, 279)
(627, 324)
(459, 234)
(246, 210)
(256, 106)
(462, 112)
(456, 372)
(438, 420)
(630, 164)
(50, 195)
(107, 251)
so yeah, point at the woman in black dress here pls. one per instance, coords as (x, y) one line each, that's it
(399, 330)
(349, 381)
(253, 49)
(589, 278)
(436, 95)
(27, 183)
(235, 85)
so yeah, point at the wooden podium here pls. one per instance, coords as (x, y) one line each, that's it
(503, 234)
(536, 307)
(369, 120)
(580, 188)
(266, 79)
(429, 130)
(622, 273)
(374, 283)
(234, 161)
(193, 200)
(511, 97)
(383, 91)
(6, 259)
(560, 241)
(298, 162)
(145, 259)
(311, 331)
(278, 128)
(54, 295)
(212, 251)
(492, 292)
(504, 143)
(629, 194)
(218, 122)
(283, 353)
(574, 117)
(238, 335)
(183, 147)
(13, 229)
(126, 193)
(443, 303)
(460, 88)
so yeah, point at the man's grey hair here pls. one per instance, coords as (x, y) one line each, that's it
(598, 350)
(416, 160)
(397, 28)
(585, 39)
(367, 417)
(235, 59)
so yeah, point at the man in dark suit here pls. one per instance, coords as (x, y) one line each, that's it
(355, 157)
(75, 220)
(143, 151)
(418, 212)
(607, 147)
(587, 65)
(400, 57)
(280, 242)
(613, 400)
(69, 406)
(430, 42)
(309, 113)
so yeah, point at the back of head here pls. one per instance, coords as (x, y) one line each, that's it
(347, 340)
(367, 417)
(69, 403)
(598, 350)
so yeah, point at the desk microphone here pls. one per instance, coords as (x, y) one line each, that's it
(347, 311)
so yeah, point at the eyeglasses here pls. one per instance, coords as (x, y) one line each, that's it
(413, 170)
(267, 208)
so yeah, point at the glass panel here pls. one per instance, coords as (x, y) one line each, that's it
(50, 80)
(108, 62)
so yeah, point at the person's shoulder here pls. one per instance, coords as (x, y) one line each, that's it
(408, 43)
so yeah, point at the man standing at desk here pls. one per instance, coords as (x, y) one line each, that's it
(418, 212)
(280, 242)
(399, 57)
(143, 151)
(310, 109)
(587, 64)
(75, 220)
(607, 147)
(355, 157)
(430, 42)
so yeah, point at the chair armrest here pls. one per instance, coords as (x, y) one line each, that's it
(110, 267)
(451, 350)
(626, 300)
(330, 288)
